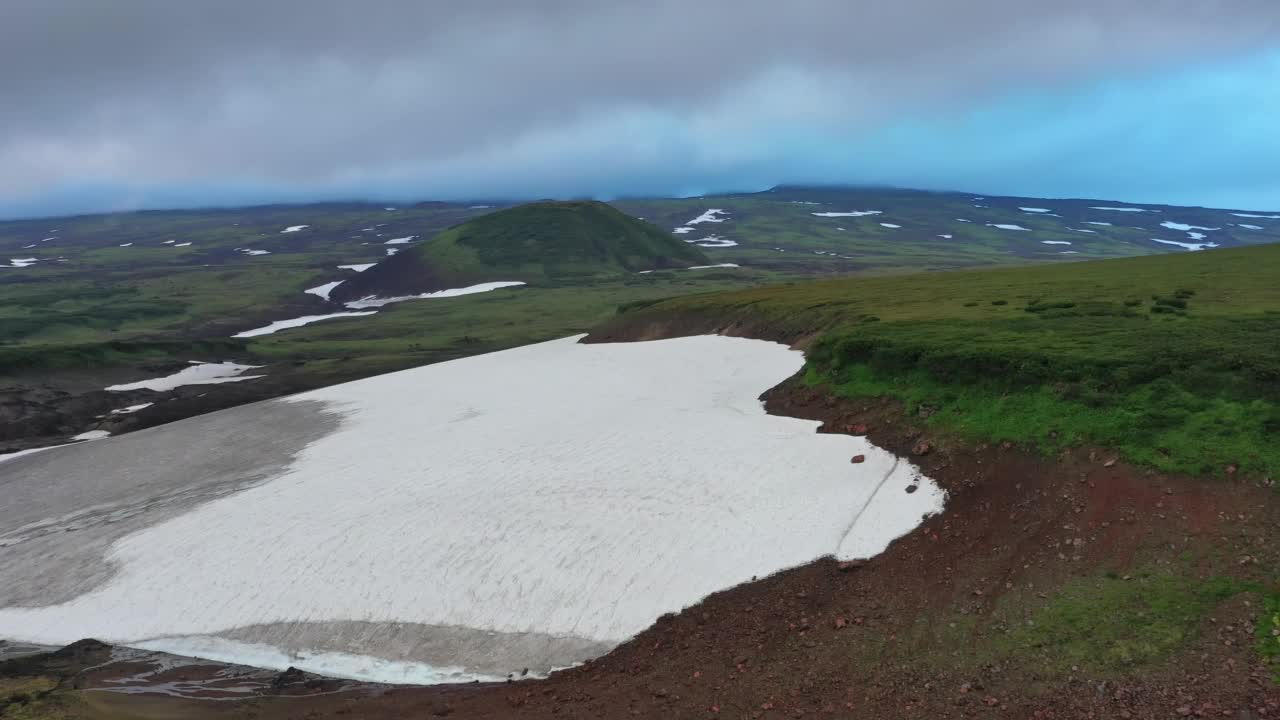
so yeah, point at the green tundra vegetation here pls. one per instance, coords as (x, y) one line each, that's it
(1174, 361)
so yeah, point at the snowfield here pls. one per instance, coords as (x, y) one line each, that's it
(197, 374)
(524, 509)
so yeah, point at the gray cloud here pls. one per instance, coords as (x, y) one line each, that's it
(331, 93)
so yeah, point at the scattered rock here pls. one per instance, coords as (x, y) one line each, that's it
(921, 448)
(847, 565)
(912, 488)
(1109, 463)
(291, 676)
(858, 459)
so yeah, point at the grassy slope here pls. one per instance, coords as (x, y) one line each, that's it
(1082, 354)
(416, 333)
(545, 242)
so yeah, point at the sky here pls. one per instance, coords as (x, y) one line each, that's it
(135, 104)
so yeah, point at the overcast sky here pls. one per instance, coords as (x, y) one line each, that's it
(123, 104)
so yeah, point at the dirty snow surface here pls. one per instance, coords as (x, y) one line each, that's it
(529, 508)
(198, 373)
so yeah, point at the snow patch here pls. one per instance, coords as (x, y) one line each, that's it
(708, 267)
(400, 241)
(1092, 222)
(1259, 217)
(126, 245)
(946, 237)
(182, 244)
(1005, 226)
(358, 268)
(294, 229)
(1184, 227)
(1035, 210)
(851, 213)
(1189, 246)
(392, 251)
(1055, 242)
(279, 325)
(92, 435)
(682, 230)
(21, 262)
(1249, 227)
(131, 409)
(196, 374)
(709, 217)
(890, 225)
(713, 241)
(376, 302)
(1122, 209)
(322, 291)
(1083, 230)
(247, 251)
(963, 220)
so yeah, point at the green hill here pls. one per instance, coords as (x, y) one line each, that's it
(538, 242)
(1173, 360)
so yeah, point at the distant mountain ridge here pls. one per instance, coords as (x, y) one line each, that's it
(542, 241)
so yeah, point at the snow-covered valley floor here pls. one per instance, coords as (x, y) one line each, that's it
(525, 509)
